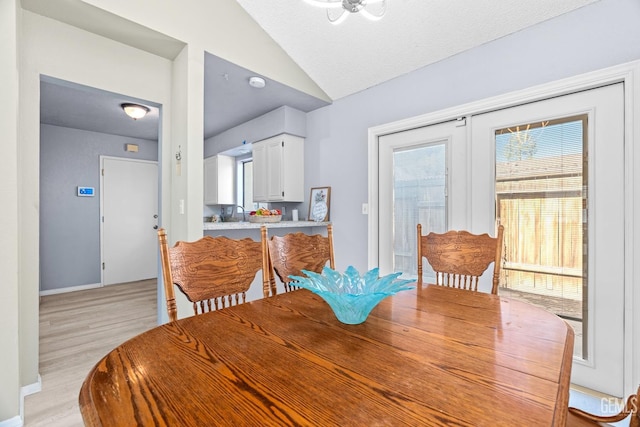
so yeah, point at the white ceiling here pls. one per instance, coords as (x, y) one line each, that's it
(359, 54)
(342, 59)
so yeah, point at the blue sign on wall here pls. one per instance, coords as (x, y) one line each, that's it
(86, 191)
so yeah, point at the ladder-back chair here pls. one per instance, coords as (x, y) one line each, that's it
(459, 258)
(294, 252)
(212, 272)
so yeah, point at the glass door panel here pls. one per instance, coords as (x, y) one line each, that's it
(419, 196)
(415, 185)
(541, 188)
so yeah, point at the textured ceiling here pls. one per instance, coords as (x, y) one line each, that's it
(358, 53)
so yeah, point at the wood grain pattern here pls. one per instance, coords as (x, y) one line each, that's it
(294, 252)
(213, 272)
(459, 258)
(434, 356)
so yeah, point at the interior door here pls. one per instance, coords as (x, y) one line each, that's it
(599, 113)
(129, 205)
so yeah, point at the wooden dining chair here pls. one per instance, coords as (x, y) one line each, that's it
(459, 258)
(212, 272)
(294, 252)
(579, 418)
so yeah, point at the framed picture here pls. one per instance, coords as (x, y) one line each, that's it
(319, 203)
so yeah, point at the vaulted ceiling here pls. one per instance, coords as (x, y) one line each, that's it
(342, 60)
(358, 53)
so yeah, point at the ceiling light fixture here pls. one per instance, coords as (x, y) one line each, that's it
(338, 10)
(135, 111)
(257, 82)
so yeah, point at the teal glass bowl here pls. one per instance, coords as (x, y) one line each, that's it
(350, 295)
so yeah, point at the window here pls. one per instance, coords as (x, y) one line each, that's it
(541, 191)
(245, 185)
(419, 196)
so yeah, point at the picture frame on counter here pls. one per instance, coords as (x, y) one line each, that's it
(319, 204)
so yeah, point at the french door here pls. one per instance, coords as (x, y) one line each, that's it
(552, 173)
(562, 204)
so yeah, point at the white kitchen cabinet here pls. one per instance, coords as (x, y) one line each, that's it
(278, 169)
(219, 180)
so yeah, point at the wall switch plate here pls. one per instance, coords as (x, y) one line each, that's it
(365, 209)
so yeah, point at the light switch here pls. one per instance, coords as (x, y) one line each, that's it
(365, 209)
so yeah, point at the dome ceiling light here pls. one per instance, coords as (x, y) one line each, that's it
(135, 111)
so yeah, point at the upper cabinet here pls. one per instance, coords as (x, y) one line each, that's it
(278, 169)
(219, 180)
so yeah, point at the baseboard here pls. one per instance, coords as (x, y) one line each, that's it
(26, 391)
(12, 422)
(31, 388)
(70, 289)
(18, 420)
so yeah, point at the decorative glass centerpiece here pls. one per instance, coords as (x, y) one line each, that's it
(351, 296)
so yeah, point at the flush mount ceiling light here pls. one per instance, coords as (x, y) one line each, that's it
(135, 111)
(338, 10)
(257, 82)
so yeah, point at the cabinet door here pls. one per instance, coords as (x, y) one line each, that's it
(278, 172)
(260, 167)
(210, 181)
(219, 180)
(226, 180)
(275, 171)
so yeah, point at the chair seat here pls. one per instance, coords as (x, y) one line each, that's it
(574, 420)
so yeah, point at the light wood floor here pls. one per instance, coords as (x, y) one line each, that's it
(76, 330)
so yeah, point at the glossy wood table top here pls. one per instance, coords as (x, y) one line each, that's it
(433, 356)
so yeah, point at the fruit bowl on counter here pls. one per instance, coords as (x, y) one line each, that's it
(263, 215)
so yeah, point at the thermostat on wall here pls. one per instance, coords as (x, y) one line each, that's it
(86, 191)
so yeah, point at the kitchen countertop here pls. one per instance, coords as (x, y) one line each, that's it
(244, 225)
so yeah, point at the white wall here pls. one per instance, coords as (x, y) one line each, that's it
(66, 53)
(9, 374)
(283, 119)
(221, 28)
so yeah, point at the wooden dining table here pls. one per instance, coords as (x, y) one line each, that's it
(431, 356)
